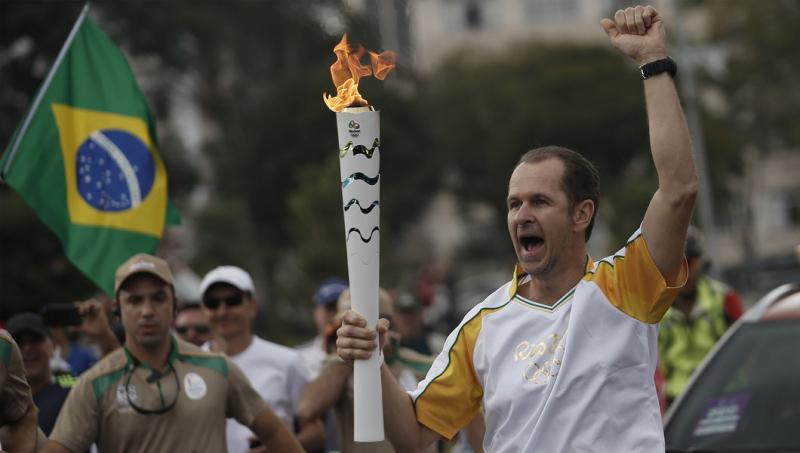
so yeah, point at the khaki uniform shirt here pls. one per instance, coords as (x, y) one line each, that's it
(15, 394)
(206, 388)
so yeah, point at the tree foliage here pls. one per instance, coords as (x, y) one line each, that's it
(486, 111)
(763, 68)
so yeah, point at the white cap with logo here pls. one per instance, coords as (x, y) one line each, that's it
(232, 275)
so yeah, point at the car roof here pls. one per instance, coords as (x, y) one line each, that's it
(782, 302)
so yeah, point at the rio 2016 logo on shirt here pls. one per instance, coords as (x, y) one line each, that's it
(114, 177)
(540, 371)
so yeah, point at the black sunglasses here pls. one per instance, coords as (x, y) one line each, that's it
(198, 328)
(232, 301)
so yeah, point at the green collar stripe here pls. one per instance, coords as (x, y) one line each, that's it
(5, 351)
(103, 383)
(558, 303)
(173, 354)
(218, 364)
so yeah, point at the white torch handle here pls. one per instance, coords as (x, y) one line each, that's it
(359, 161)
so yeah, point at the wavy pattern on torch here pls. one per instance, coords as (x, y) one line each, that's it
(363, 239)
(360, 149)
(363, 210)
(360, 176)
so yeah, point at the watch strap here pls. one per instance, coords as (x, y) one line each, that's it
(657, 67)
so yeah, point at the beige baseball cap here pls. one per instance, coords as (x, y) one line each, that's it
(143, 263)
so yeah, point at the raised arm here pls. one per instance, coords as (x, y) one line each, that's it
(638, 32)
(356, 341)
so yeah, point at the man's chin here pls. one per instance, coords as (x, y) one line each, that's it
(150, 340)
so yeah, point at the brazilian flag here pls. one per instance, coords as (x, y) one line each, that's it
(85, 157)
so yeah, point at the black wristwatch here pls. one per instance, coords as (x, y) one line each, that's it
(657, 67)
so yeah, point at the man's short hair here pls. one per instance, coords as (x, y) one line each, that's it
(580, 181)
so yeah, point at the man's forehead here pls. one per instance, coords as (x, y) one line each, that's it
(142, 283)
(545, 176)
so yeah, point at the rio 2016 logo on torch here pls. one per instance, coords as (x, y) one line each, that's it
(354, 128)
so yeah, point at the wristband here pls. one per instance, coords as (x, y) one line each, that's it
(657, 67)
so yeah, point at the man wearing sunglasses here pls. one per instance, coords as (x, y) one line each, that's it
(276, 372)
(191, 324)
(158, 393)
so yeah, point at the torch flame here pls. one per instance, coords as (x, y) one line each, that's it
(348, 70)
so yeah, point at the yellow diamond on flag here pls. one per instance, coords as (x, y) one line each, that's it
(115, 178)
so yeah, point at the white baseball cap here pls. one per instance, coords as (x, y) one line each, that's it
(232, 275)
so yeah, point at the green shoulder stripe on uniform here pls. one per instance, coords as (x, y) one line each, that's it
(101, 384)
(218, 364)
(5, 351)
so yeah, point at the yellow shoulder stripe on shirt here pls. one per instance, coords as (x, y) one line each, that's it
(452, 398)
(632, 282)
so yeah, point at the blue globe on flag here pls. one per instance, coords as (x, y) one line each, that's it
(115, 171)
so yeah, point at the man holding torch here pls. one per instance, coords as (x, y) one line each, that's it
(562, 357)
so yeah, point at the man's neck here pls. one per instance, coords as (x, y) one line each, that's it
(155, 357)
(549, 288)
(236, 345)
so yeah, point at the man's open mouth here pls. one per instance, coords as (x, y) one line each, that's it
(529, 242)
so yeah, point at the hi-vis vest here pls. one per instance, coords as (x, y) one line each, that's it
(683, 343)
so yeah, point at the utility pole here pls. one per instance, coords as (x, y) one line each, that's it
(686, 84)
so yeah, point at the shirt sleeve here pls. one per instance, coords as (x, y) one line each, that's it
(15, 394)
(633, 283)
(243, 402)
(450, 395)
(77, 423)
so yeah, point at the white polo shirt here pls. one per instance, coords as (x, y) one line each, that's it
(574, 376)
(278, 374)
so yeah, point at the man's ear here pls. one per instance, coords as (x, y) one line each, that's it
(582, 215)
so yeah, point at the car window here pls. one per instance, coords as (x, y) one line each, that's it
(748, 397)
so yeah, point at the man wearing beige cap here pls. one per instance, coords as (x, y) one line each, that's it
(158, 393)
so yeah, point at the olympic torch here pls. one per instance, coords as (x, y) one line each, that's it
(358, 126)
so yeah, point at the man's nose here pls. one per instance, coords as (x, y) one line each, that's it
(147, 308)
(524, 214)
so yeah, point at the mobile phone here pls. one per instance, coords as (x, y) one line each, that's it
(61, 315)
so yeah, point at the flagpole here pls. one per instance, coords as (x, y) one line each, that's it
(42, 90)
